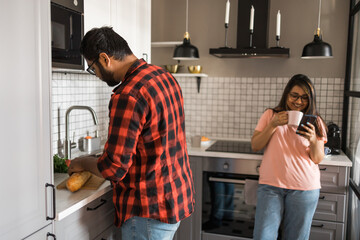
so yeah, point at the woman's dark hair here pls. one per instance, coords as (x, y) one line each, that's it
(106, 40)
(305, 83)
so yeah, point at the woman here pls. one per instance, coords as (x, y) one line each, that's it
(289, 183)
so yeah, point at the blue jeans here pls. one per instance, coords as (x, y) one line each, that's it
(138, 228)
(293, 209)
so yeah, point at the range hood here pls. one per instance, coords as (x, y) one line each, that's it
(259, 38)
(250, 52)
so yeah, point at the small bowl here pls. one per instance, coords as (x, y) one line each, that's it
(195, 69)
(172, 68)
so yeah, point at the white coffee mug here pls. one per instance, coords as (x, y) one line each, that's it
(294, 118)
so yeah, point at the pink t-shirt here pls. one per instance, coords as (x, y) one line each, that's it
(286, 162)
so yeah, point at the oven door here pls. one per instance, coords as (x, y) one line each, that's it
(66, 35)
(225, 213)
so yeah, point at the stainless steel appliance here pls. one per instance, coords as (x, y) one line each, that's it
(67, 22)
(225, 212)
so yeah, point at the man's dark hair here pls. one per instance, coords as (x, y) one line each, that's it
(106, 40)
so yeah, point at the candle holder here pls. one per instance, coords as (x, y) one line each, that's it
(226, 34)
(251, 39)
(277, 42)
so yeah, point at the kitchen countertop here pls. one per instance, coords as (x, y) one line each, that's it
(68, 202)
(333, 160)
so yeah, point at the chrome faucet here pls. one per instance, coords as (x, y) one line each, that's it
(67, 142)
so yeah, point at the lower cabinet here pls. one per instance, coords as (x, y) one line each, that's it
(89, 222)
(44, 233)
(327, 230)
(329, 222)
(111, 233)
(190, 228)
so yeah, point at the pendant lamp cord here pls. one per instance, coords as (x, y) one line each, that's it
(187, 14)
(318, 28)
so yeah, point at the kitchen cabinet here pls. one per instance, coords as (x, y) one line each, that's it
(132, 20)
(330, 218)
(89, 221)
(44, 233)
(26, 203)
(190, 228)
(96, 14)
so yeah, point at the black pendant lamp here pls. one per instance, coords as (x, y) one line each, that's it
(317, 48)
(186, 51)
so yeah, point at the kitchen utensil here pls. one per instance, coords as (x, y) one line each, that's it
(172, 68)
(195, 68)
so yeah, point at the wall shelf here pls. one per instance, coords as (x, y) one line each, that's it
(188, 75)
(166, 44)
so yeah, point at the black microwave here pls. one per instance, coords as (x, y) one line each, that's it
(67, 30)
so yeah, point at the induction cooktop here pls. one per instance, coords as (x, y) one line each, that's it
(232, 147)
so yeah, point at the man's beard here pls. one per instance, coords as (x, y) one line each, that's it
(107, 77)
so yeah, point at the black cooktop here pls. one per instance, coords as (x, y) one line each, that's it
(232, 147)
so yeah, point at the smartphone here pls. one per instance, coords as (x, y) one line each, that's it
(306, 119)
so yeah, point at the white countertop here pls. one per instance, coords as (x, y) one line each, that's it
(334, 160)
(68, 202)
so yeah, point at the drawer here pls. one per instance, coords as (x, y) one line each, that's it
(321, 230)
(331, 207)
(89, 221)
(212, 236)
(333, 179)
(112, 233)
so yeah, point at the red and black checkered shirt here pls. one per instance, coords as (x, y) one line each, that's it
(145, 155)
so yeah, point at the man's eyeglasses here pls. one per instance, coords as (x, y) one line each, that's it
(294, 97)
(90, 69)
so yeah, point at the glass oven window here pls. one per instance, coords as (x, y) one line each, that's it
(224, 209)
(66, 34)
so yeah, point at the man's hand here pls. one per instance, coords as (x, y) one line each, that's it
(88, 163)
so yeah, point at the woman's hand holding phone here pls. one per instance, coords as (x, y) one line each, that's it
(307, 128)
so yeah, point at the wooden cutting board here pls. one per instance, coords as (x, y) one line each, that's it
(93, 183)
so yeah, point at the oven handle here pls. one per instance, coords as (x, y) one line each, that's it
(227, 180)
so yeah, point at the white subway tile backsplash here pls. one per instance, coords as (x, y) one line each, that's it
(241, 101)
(224, 107)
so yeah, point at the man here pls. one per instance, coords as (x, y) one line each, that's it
(145, 156)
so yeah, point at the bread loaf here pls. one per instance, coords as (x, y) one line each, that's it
(77, 180)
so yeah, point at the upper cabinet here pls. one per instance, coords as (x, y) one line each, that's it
(96, 14)
(131, 19)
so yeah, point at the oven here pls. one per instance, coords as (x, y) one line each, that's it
(67, 21)
(228, 205)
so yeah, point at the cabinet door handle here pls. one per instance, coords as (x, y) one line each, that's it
(322, 169)
(318, 226)
(103, 201)
(50, 235)
(53, 198)
(322, 197)
(145, 56)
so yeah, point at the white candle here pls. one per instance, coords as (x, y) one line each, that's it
(227, 12)
(252, 12)
(278, 21)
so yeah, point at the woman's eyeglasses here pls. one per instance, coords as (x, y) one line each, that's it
(294, 97)
(90, 69)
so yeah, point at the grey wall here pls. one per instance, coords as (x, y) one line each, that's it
(298, 25)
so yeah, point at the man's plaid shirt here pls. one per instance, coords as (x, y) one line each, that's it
(145, 156)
